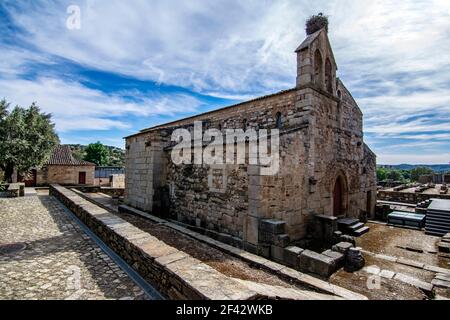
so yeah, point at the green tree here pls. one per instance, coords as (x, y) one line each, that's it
(27, 138)
(406, 174)
(395, 175)
(419, 171)
(382, 174)
(97, 153)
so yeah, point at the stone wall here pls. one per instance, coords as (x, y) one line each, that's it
(408, 197)
(102, 182)
(117, 181)
(64, 175)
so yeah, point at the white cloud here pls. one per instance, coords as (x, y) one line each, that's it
(414, 158)
(393, 55)
(240, 47)
(75, 107)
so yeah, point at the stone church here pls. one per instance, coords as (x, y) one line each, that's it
(326, 169)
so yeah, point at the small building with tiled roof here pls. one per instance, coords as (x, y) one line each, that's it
(62, 168)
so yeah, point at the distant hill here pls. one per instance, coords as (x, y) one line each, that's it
(438, 168)
(117, 155)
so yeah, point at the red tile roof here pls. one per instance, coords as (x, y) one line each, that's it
(62, 156)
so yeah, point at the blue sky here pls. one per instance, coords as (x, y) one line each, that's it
(135, 64)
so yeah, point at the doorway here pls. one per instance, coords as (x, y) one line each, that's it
(81, 177)
(339, 197)
(30, 181)
(369, 203)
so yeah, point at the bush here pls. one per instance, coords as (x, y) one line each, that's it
(2, 186)
(315, 23)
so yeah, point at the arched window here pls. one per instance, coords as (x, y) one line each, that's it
(244, 124)
(318, 69)
(328, 76)
(339, 94)
(278, 121)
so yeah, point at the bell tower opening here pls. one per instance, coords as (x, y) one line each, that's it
(318, 72)
(328, 76)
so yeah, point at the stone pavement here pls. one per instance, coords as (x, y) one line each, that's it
(59, 261)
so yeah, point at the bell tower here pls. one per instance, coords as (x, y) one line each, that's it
(316, 65)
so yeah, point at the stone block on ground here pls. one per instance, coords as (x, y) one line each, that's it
(277, 253)
(387, 274)
(338, 257)
(441, 283)
(424, 286)
(291, 256)
(354, 260)
(310, 261)
(411, 263)
(273, 226)
(281, 240)
(443, 277)
(375, 270)
(347, 238)
(342, 247)
(337, 237)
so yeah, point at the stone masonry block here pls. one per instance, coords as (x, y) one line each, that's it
(273, 226)
(338, 257)
(342, 247)
(277, 253)
(282, 240)
(251, 234)
(291, 256)
(310, 261)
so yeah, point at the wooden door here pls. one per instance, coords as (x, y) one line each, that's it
(30, 181)
(81, 177)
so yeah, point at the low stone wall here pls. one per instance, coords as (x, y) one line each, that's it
(408, 197)
(175, 274)
(113, 192)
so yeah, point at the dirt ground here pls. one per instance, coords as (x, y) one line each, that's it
(391, 241)
(387, 290)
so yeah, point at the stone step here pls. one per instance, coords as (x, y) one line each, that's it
(361, 231)
(440, 215)
(437, 219)
(437, 226)
(347, 222)
(356, 226)
(435, 231)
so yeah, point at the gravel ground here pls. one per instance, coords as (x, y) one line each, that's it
(59, 260)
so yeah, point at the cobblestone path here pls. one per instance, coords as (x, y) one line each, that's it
(59, 260)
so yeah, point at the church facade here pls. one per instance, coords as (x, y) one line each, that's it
(325, 168)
